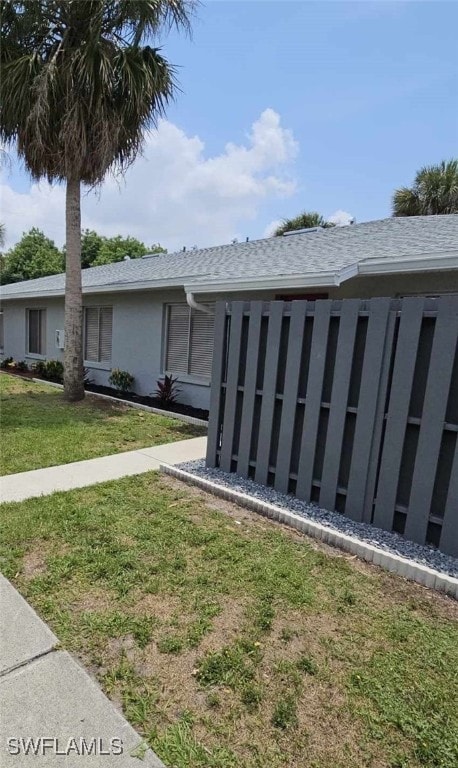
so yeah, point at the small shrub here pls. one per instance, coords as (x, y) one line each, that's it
(54, 371)
(122, 381)
(284, 715)
(39, 368)
(22, 366)
(6, 363)
(167, 391)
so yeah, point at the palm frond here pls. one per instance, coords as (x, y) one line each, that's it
(79, 84)
(434, 191)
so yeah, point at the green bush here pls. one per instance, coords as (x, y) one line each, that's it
(122, 381)
(39, 367)
(54, 371)
(6, 363)
(22, 366)
(167, 391)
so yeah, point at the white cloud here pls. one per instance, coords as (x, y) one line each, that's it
(270, 229)
(173, 194)
(341, 218)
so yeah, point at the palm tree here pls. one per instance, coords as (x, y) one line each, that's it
(434, 191)
(302, 221)
(80, 84)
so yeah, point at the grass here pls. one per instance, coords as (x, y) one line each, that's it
(230, 641)
(39, 429)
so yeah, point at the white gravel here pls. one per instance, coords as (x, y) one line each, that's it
(390, 542)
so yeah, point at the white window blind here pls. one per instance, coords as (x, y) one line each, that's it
(36, 331)
(189, 343)
(98, 331)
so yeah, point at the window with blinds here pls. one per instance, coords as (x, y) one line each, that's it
(36, 331)
(98, 330)
(189, 342)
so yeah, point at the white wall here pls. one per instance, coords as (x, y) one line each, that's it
(137, 342)
(138, 325)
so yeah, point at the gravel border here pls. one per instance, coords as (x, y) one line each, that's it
(391, 543)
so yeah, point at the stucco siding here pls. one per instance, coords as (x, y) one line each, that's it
(137, 339)
(138, 335)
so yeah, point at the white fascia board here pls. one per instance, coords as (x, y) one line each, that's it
(145, 285)
(272, 282)
(422, 263)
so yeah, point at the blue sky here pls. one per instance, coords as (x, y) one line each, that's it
(363, 93)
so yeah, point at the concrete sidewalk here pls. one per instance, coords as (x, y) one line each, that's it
(53, 715)
(41, 482)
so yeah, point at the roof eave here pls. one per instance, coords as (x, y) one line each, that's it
(144, 285)
(274, 282)
(428, 262)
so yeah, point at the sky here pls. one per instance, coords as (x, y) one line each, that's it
(284, 107)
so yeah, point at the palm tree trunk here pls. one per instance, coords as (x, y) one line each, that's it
(73, 355)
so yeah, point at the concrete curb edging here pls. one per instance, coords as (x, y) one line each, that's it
(138, 406)
(387, 560)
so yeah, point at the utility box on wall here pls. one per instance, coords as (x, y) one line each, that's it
(60, 339)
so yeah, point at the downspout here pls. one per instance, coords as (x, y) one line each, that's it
(195, 305)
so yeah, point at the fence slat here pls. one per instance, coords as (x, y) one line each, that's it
(268, 391)
(219, 356)
(249, 388)
(398, 410)
(432, 420)
(371, 383)
(290, 392)
(233, 362)
(339, 401)
(379, 422)
(313, 398)
(449, 533)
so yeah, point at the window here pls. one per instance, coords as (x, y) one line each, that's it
(1, 331)
(98, 326)
(36, 331)
(189, 342)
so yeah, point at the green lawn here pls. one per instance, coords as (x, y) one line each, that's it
(230, 641)
(39, 429)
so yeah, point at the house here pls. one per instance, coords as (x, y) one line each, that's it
(154, 315)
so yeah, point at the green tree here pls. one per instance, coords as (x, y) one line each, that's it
(80, 84)
(117, 248)
(91, 244)
(2, 235)
(304, 220)
(434, 191)
(35, 255)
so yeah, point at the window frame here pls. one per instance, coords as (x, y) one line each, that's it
(191, 378)
(103, 365)
(42, 333)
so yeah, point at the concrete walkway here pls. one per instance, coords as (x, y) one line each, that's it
(53, 715)
(41, 482)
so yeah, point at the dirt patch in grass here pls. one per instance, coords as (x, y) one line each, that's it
(34, 563)
(159, 606)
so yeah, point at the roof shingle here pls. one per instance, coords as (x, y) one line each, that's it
(327, 250)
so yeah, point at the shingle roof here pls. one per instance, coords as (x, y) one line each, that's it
(326, 250)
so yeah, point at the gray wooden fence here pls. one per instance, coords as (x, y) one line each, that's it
(351, 404)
